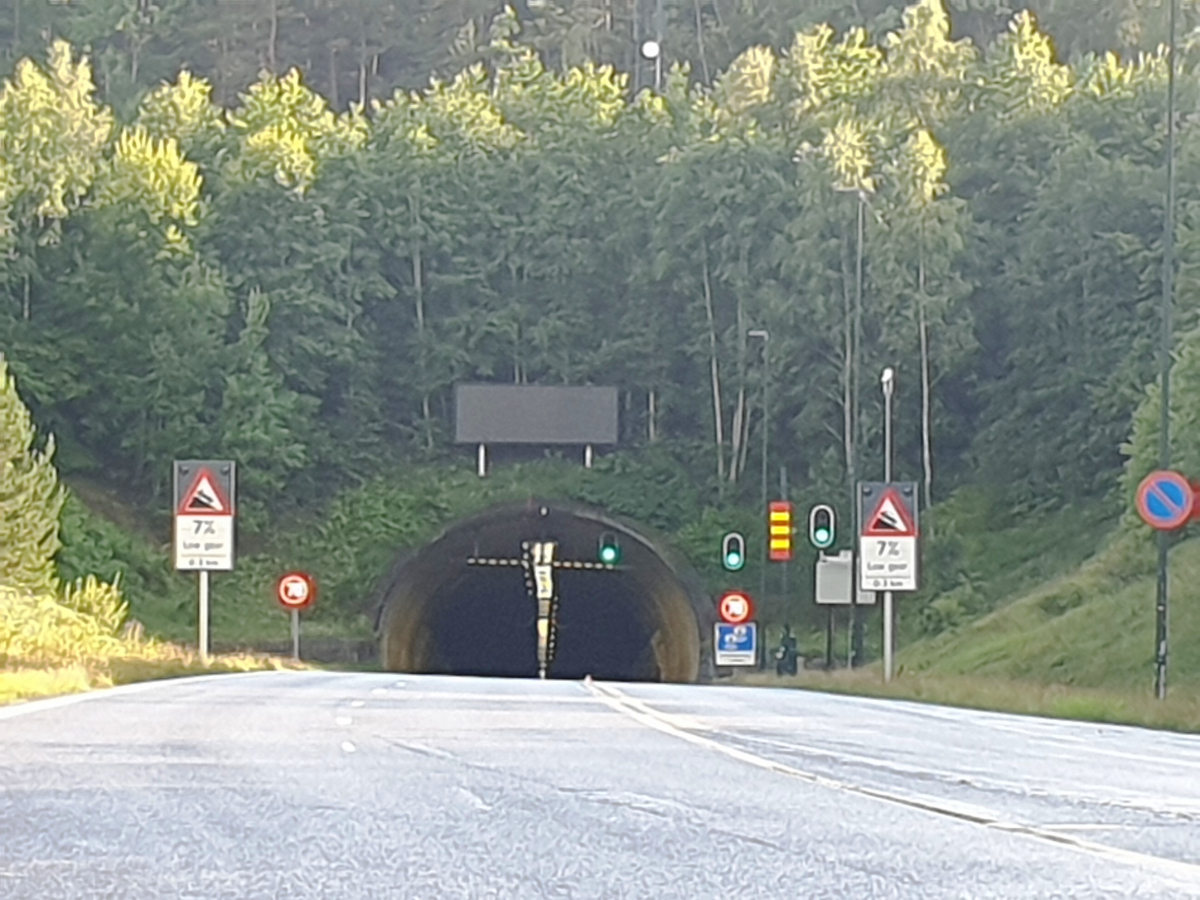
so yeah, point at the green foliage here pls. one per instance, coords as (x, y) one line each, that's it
(236, 267)
(30, 497)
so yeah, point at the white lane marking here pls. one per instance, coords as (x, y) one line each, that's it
(379, 692)
(400, 684)
(652, 718)
(1129, 799)
(474, 799)
(1084, 826)
(343, 720)
(358, 704)
(348, 747)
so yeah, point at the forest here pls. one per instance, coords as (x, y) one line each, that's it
(297, 280)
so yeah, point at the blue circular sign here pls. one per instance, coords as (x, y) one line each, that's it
(1165, 500)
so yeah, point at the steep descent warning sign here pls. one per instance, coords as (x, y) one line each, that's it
(205, 497)
(890, 518)
(204, 514)
(887, 541)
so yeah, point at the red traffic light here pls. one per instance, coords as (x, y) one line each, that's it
(735, 607)
(296, 590)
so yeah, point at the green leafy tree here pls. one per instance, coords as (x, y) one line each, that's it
(30, 497)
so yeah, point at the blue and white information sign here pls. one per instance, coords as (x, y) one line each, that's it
(736, 645)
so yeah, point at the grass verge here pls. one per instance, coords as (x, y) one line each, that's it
(18, 684)
(1179, 712)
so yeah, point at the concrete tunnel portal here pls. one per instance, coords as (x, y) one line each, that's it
(465, 602)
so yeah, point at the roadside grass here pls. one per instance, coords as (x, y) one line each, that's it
(1179, 712)
(18, 683)
(77, 639)
(1092, 628)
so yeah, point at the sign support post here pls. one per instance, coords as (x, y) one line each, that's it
(1166, 501)
(888, 549)
(204, 516)
(296, 591)
(203, 582)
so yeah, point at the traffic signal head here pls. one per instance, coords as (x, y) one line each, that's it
(779, 531)
(733, 551)
(822, 527)
(610, 549)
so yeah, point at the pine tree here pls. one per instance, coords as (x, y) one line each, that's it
(30, 497)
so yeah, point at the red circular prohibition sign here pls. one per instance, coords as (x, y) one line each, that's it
(296, 590)
(1165, 500)
(735, 608)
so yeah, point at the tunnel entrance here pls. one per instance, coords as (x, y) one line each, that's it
(467, 603)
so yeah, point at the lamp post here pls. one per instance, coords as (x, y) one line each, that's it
(888, 381)
(652, 50)
(1166, 341)
(762, 587)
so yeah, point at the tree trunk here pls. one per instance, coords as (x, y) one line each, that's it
(741, 419)
(718, 415)
(700, 41)
(847, 366)
(418, 276)
(273, 39)
(926, 417)
(333, 77)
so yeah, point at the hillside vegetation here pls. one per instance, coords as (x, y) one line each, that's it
(210, 268)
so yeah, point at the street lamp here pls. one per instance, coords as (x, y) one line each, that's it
(888, 381)
(766, 339)
(652, 50)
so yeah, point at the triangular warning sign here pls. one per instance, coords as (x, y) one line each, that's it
(890, 518)
(205, 497)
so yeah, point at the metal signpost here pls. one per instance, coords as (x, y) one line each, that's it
(888, 548)
(296, 591)
(735, 638)
(204, 514)
(1165, 500)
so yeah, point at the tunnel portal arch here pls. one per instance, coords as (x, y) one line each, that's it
(650, 619)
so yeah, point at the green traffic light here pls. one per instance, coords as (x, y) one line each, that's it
(821, 526)
(610, 550)
(733, 551)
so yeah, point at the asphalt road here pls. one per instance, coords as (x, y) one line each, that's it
(349, 785)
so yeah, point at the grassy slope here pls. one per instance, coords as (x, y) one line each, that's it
(1092, 627)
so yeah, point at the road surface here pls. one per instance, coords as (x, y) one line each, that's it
(351, 785)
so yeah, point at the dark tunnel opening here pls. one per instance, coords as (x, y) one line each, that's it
(465, 603)
(484, 623)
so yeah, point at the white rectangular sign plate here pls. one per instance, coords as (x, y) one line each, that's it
(204, 542)
(888, 563)
(736, 645)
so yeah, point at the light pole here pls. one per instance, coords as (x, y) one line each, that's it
(652, 50)
(762, 586)
(1166, 341)
(888, 380)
